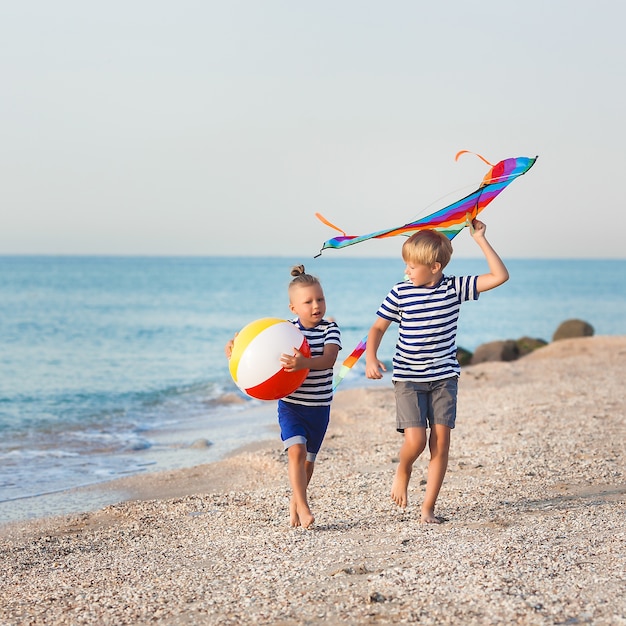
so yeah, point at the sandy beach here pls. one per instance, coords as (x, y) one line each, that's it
(533, 532)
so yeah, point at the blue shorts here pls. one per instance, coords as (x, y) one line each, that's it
(425, 404)
(303, 424)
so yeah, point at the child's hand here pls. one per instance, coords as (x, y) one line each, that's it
(372, 369)
(228, 348)
(293, 362)
(479, 228)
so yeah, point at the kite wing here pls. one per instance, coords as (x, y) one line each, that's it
(451, 219)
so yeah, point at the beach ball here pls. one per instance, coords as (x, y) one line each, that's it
(255, 359)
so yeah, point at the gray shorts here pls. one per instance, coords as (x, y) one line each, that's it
(424, 404)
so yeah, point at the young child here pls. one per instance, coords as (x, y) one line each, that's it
(304, 415)
(425, 367)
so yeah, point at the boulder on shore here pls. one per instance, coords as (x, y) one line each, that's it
(506, 350)
(463, 356)
(571, 329)
(510, 350)
(526, 345)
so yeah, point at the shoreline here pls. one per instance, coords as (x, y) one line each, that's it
(533, 510)
(96, 494)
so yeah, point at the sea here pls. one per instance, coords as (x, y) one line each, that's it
(115, 366)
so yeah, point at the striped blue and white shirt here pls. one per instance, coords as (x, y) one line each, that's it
(317, 388)
(428, 316)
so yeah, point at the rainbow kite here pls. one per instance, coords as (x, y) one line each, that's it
(451, 219)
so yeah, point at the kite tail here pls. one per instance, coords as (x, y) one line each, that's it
(482, 158)
(322, 219)
(347, 365)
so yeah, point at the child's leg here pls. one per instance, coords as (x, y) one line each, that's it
(293, 509)
(300, 472)
(413, 445)
(439, 444)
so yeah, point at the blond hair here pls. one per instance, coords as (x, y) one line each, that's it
(427, 247)
(301, 278)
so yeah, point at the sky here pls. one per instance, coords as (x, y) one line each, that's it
(142, 127)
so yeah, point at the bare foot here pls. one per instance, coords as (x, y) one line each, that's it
(294, 520)
(305, 516)
(399, 488)
(429, 517)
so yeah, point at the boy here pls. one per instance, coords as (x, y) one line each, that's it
(425, 368)
(304, 414)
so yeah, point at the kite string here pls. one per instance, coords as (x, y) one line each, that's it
(322, 219)
(497, 179)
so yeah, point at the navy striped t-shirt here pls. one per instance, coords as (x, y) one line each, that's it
(317, 388)
(428, 316)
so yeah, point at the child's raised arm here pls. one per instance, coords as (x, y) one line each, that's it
(498, 273)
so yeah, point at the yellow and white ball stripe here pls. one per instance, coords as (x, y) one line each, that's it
(255, 360)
